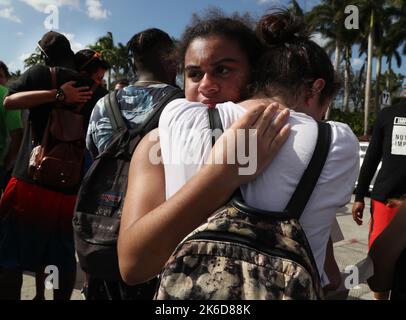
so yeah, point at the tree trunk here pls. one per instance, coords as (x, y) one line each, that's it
(388, 78)
(347, 81)
(336, 67)
(337, 58)
(369, 77)
(378, 84)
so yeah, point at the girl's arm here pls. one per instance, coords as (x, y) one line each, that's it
(152, 228)
(32, 99)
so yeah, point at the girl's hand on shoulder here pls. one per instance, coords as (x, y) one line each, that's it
(249, 146)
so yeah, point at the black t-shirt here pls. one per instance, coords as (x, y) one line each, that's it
(388, 144)
(39, 78)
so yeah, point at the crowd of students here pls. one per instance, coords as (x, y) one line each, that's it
(274, 79)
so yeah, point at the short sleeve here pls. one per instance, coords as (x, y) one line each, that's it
(35, 78)
(343, 164)
(99, 131)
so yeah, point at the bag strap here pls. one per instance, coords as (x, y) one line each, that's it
(54, 83)
(153, 120)
(114, 112)
(312, 174)
(215, 123)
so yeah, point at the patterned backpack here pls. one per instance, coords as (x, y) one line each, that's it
(243, 253)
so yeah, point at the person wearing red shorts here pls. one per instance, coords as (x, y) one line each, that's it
(388, 144)
(36, 222)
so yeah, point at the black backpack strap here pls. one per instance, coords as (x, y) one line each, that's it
(215, 123)
(312, 174)
(114, 112)
(152, 122)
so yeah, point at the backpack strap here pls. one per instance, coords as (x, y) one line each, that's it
(215, 123)
(114, 112)
(54, 83)
(152, 122)
(312, 174)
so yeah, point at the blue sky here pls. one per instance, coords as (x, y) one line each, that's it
(83, 21)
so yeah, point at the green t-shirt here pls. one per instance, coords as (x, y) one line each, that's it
(9, 121)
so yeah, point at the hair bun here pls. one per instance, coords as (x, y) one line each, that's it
(281, 27)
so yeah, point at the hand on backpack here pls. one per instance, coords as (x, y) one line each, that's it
(264, 131)
(75, 95)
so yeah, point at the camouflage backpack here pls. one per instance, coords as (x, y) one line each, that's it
(243, 253)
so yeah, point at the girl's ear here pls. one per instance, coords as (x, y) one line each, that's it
(318, 86)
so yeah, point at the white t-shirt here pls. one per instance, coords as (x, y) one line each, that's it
(185, 135)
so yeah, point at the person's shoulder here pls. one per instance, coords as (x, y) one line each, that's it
(38, 68)
(230, 106)
(181, 110)
(182, 105)
(398, 109)
(37, 71)
(344, 139)
(342, 129)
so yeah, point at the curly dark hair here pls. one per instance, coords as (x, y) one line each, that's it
(230, 28)
(291, 58)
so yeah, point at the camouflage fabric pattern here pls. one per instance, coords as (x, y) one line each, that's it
(202, 269)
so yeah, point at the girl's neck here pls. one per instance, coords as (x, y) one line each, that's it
(148, 77)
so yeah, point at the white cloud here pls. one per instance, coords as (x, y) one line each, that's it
(12, 65)
(24, 56)
(8, 13)
(41, 5)
(270, 2)
(20, 34)
(5, 2)
(95, 10)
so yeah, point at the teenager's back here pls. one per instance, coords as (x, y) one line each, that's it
(185, 130)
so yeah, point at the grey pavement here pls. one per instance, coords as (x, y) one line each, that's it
(354, 248)
(347, 252)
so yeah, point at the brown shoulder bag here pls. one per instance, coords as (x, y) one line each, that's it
(57, 162)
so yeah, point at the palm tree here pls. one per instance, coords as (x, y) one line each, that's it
(371, 14)
(383, 46)
(105, 45)
(34, 59)
(396, 34)
(121, 64)
(328, 18)
(117, 56)
(296, 9)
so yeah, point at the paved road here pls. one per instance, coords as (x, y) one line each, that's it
(348, 252)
